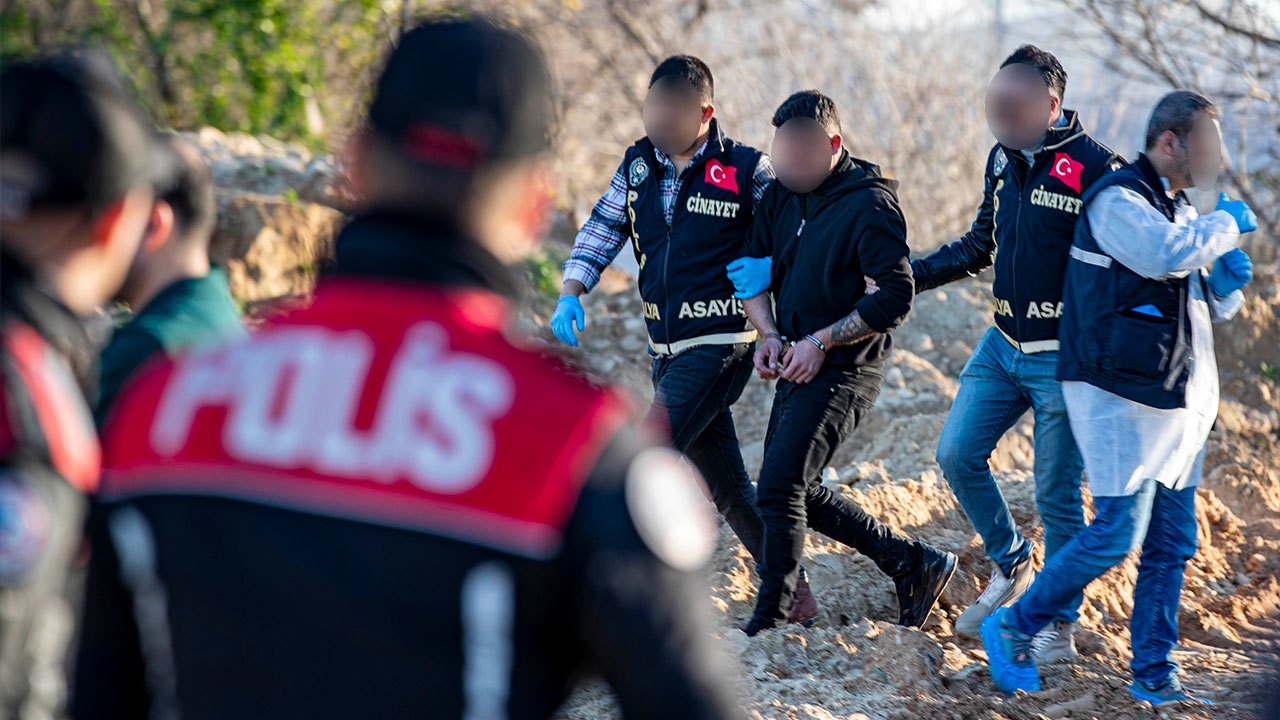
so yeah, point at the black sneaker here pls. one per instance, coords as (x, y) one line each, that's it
(919, 589)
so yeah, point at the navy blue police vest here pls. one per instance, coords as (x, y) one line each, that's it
(687, 295)
(1035, 208)
(1122, 332)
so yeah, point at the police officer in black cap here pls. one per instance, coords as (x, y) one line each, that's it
(380, 505)
(77, 165)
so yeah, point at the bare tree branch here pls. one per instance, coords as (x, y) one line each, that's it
(1228, 25)
(634, 30)
(1189, 44)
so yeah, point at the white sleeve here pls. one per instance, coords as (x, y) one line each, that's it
(1221, 309)
(1128, 229)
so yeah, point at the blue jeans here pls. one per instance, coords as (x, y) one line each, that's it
(1163, 523)
(998, 385)
(692, 394)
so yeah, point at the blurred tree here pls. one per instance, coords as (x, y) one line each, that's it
(301, 70)
(290, 68)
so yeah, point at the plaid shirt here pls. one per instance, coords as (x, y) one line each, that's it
(604, 233)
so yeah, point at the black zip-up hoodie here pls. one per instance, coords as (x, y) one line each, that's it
(823, 242)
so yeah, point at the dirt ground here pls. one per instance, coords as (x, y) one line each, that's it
(855, 665)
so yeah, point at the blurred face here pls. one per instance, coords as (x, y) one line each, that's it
(119, 233)
(83, 255)
(674, 115)
(149, 261)
(1204, 153)
(1193, 162)
(1019, 107)
(515, 210)
(803, 154)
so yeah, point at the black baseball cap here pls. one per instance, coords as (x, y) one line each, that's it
(461, 95)
(70, 135)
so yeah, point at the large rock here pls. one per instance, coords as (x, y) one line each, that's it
(266, 166)
(272, 247)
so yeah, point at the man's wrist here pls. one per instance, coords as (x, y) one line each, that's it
(573, 288)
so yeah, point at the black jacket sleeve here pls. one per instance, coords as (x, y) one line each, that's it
(759, 240)
(643, 623)
(974, 252)
(882, 254)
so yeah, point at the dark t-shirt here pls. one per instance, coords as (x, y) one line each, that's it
(189, 313)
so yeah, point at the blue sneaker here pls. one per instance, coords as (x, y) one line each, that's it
(1168, 691)
(1009, 654)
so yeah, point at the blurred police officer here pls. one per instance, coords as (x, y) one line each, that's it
(378, 505)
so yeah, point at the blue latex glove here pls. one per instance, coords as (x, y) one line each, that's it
(568, 313)
(1245, 219)
(1231, 272)
(750, 276)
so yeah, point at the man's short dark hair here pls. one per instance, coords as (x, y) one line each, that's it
(809, 104)
(1042, 62)
(690, 68)
(1177, 112)
(188, 189)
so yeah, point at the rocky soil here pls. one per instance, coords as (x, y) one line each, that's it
(856, 665)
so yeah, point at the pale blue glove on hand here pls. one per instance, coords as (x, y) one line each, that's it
(1245, 218)
(751, 276)
(568, 313)
(1231, 272)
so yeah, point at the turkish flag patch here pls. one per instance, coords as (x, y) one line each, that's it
(1066, 169)
(722, 176)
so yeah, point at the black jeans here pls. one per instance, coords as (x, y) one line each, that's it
(693, 391)
(806, 426)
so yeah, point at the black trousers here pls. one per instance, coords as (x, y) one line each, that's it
(806, 426)
(693, 392)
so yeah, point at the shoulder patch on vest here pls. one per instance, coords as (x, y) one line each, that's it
(999, 163)
(638, 171)
(25, 526)
(669, 509)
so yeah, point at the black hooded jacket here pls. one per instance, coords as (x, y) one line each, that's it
(823, 242)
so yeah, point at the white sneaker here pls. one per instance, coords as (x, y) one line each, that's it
(1000, 591)
(1055, 642)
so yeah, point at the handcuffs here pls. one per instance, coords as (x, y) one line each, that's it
(792, 344)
